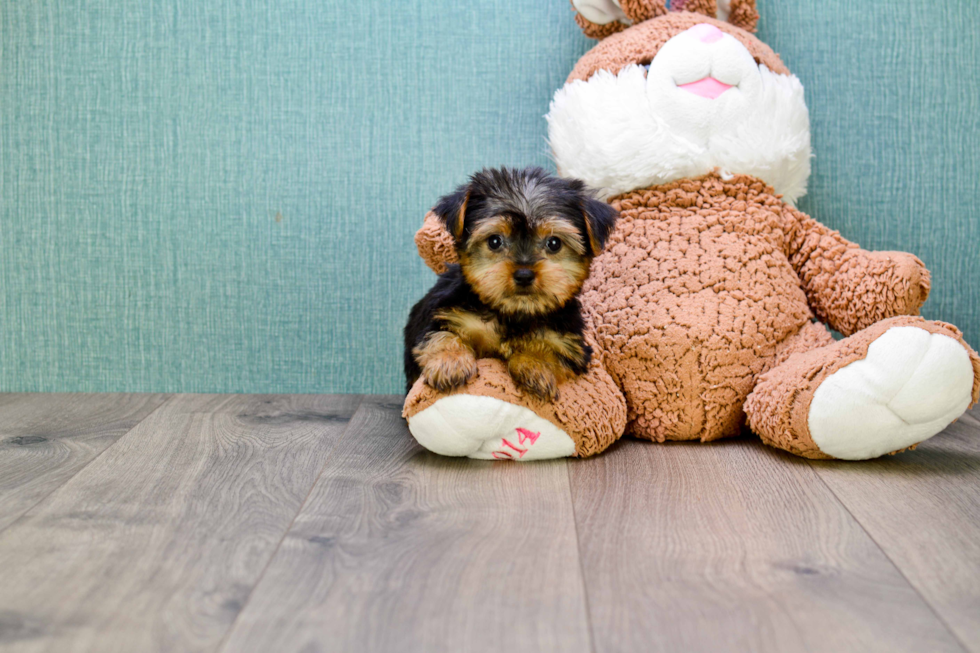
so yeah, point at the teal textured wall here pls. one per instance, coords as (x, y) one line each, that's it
(221, 196)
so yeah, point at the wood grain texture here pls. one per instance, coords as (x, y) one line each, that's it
(402, 550)
(277, 523)
(155, 545)
(734, 547)
(46, 439)
(922, 508)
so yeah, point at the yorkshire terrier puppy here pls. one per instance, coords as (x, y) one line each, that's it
(525, 241)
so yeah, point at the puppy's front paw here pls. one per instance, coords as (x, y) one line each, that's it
(534, 376)
(450, 369)
(446, 361)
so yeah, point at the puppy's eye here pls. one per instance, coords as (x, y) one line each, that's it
(495, 242)
(553, 244)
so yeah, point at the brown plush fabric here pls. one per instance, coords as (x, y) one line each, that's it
(598, 32)
(705, 7)
(851, 288)
(742, 13)
(705, 285)
(435, 245)
(778, 408)
(640, 43)
(640, 10)
(691, 299)
(810, 337)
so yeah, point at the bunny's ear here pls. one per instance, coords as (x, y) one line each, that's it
(601, 18)
(740, 13)
(706, 7)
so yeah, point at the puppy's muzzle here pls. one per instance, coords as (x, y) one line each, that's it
(524, 277)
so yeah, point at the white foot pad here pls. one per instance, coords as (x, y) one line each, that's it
(911, 386)
(488, 429)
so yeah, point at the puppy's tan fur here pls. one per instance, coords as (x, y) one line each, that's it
(558, 276)
(447, 361)
(524, 241)
(535, 360)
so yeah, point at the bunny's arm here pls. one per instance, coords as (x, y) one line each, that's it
(847, 287)
(434, 243)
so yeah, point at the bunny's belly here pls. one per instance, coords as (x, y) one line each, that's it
(688, 311)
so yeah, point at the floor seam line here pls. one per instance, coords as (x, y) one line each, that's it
(34, 505)
(901, 572)
(231, 627)
(578, 549)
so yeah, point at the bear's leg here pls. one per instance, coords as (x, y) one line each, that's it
(884, 389)
(490, 418)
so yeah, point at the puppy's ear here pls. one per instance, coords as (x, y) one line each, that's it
(600, 218)
(451, 209)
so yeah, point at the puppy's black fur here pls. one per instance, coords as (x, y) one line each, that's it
(452, 291)
(508, 223)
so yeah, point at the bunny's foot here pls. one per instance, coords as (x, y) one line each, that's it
(490, 418)
(882, 390)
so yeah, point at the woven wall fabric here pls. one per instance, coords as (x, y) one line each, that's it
(221, 196)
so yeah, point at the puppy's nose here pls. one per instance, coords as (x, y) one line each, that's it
(524, 277)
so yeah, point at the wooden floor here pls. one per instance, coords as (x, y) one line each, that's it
(315, 523)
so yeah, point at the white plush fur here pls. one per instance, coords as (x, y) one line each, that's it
(908, 388)
(635, 129)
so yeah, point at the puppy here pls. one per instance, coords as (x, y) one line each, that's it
(525, 241)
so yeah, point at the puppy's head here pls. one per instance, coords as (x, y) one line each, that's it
(525, 239)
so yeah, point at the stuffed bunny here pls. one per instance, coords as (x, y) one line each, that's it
(708, 309)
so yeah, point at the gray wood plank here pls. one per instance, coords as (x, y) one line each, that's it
(46, 438)
(732, 546)
(922, 508)
(401, 550)
(155, 545)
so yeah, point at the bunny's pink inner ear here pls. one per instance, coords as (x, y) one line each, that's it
(704, 7)
(740, 13)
